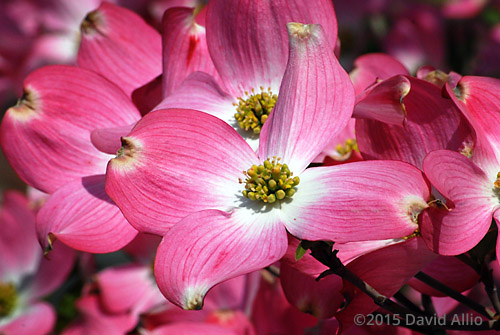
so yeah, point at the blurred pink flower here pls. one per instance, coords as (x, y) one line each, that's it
(25, 275)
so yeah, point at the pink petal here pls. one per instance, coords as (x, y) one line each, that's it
(470, 190)
(315, 102)
(361, 201)
(177, 162)
(298, 279)
(230, 294)
(184, 48)
(237, 321)
(331, 151)
(387, 270)
(119, 45)
(49, 128)
(384, 101)
(432, 123)
(82, 216)
(462, 9)
(18, 246)
(496, 215)
(128, 288)
(158, 8)
(37, 319)
(248, 42)
(174, 314)
(52, 271)
(148, 96)
(108, 139)
(201, 91)
(190, 328)
(417, 38)
(479, 100)
(351, 250)
(94, 321)
(372, 67)
(449, 270)
(209, 247)
(143, 247)
(272, 314)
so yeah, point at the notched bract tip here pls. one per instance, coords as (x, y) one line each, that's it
(25, 107)
(127, 155)
(127, 149)
(91, 22)
(194, 303)
(461, 92)
(51, 238)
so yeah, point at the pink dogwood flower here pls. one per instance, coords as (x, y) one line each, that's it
(248, 44)
(472, 184)
(404, 118)
(94, 320)
(25, 275)
(224, 210)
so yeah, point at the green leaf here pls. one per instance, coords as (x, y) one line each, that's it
(300, 252)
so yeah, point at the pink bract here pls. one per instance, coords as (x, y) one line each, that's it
(63, 137)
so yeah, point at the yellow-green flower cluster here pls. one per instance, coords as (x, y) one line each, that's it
(252, 113)
(8, 298)
(269, 181)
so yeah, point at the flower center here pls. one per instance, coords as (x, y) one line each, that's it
(269, 181)
(253, 112)
(349, 146)
(497, 182)
(8, 298)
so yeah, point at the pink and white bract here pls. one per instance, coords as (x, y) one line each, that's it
(71, 145)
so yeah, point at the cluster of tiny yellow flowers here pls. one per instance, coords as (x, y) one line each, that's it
(252, 113)
(349, 146)
(269, 181)
(8, 298)
(497, 182)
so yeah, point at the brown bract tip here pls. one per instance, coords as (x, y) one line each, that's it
(437, 77)
(25, 107)
(194, 302)
(51, 238)
(91, 22)
(461, 92)
(127, 149)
